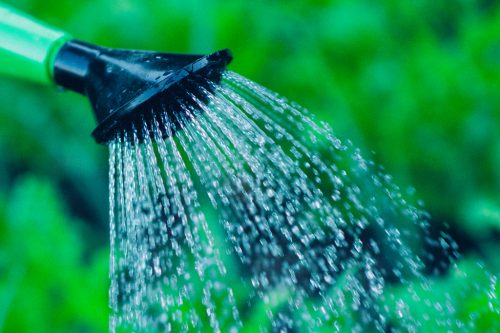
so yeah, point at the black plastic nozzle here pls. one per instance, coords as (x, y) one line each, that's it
(125, 85)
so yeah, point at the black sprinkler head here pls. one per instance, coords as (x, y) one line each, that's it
(125, 85)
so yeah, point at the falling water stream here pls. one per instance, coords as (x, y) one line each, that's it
(243, 214)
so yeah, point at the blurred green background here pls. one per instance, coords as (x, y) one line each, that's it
(417, 83)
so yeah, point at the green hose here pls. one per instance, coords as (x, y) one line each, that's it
(28, 47)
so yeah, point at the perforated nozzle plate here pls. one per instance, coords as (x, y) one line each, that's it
(122, 85)
(207, 67)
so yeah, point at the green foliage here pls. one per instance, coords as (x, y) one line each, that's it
(45, 284)
(469, 290)
(416, 82)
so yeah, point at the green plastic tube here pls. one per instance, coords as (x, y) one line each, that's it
(28, 47)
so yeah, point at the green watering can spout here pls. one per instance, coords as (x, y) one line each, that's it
(124, 86)
(28, 47)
